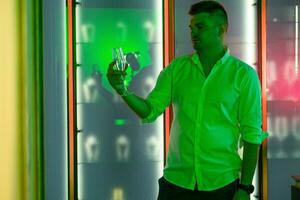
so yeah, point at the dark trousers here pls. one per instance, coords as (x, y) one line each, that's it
(169, 191)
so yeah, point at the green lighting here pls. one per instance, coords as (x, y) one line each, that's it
(120, 122)
(101, 30)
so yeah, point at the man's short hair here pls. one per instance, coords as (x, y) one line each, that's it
(211, 7)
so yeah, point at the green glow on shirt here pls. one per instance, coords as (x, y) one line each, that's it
(212, 115)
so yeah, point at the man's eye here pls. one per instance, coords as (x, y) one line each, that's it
(199, 26)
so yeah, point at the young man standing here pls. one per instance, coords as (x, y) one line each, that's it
(216, 101)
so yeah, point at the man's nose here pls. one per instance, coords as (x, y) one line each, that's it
(194, 31)
(194, 34)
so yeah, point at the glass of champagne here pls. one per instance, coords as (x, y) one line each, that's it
(119, 57)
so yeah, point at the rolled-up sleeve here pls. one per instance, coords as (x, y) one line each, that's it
(250, 109)
(160, 96)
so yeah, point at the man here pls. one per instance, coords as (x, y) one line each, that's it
(216, 102)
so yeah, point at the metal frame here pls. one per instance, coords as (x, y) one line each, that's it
(169, 54)
(72, 139)
(262, 70)
(168, 27)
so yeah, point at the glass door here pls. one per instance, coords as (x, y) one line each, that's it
(283, 87)
(117, 157)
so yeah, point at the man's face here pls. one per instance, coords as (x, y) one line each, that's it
(205, 31)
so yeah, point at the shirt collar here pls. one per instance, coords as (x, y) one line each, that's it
(196, 60)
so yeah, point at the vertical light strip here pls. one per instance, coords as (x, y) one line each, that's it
(64, 28)
(296, 40)
(158, 66)
(249, 32)
(79, 97)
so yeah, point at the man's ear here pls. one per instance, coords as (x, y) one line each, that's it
(222, 29)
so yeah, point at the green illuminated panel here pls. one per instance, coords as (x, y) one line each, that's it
(103, 29)
(120, 122)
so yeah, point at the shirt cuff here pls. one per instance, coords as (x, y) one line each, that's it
(254, 137)
(152, 115)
